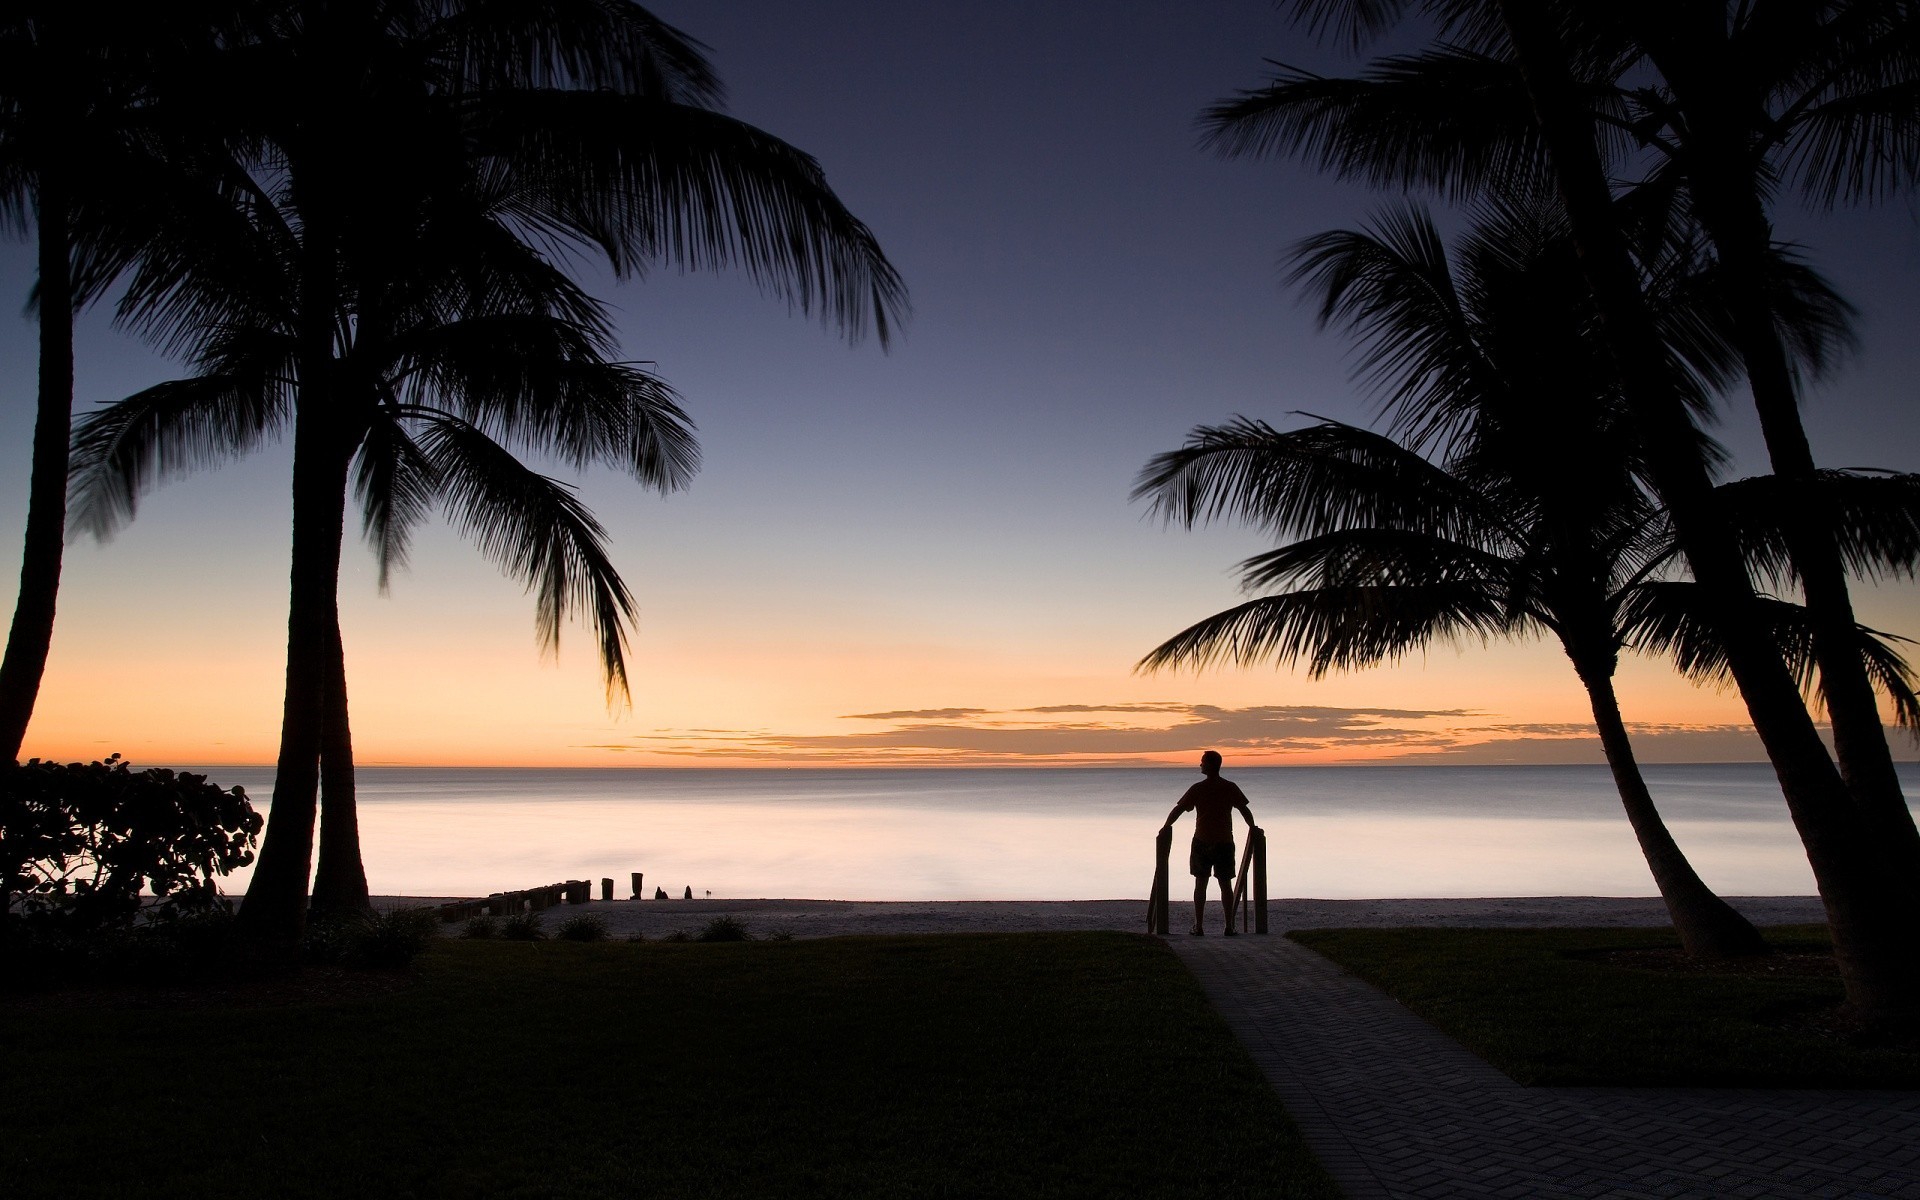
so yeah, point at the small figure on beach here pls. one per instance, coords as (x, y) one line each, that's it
(689, 894)
(1211, 801)
(659, 893)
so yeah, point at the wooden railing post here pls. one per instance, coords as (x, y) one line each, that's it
(1157, 899)
(1257, 837)
(1239, 904)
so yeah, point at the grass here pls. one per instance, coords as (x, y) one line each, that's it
(966, 1065)
(1538, 1005)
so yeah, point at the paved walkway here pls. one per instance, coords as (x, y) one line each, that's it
(1394, 1108)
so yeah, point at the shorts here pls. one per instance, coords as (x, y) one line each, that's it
(1211, 858)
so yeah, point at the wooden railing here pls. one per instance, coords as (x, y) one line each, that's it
(1254, 857)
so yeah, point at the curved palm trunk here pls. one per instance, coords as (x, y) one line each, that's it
(1690, 47)
(1707, 925)
(30, 637)
(339, 879)
(275, 907)
(1873, 916)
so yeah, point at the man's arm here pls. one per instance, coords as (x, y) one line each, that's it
(1240, 802)
(1185, 802)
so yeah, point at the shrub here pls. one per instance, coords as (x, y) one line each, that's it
(482, 926)
(678, 935)
(780, 935)
(386, 939)
(522, 927)
(393, 938)
(586, 927)
(725, 929)
(79, 844)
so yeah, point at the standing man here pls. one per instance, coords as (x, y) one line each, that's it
(1211, 801)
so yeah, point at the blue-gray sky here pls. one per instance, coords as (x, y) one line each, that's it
(944, 526)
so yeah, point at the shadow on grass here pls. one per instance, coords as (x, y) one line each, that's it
(964, 1065)
(1578, 1006)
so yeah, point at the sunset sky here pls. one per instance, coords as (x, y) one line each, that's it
(926, 555)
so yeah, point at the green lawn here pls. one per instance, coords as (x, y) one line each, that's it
(1532, 1003)
(992, 1065)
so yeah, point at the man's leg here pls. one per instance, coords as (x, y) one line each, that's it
(1226, 901)
(1199, 903)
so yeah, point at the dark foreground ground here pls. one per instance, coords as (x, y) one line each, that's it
(988, 1065)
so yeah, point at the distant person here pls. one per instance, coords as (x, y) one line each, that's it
(689, 894)
(1211, 801)
(659, 893)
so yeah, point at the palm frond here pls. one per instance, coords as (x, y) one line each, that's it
(1305, 482)
(1384, 558)
(650, 182)
(1335, 629)
(1678, 621)
(535, 381)
(396, 485)
(1450, 120)
(538, 531)
(163, 431)
(1874, 517)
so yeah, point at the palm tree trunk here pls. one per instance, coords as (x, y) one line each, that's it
(31, 635)
(275, 907)
(340, 878)
(1860, 740)
(1691, 48)
(1707, 925)
(1873, 917)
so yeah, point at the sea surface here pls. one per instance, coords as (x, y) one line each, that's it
(1051, 833)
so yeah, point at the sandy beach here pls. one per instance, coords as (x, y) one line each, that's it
(833, 918)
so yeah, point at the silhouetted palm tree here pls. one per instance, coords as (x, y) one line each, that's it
(590, 126)
(1551, 49)
(1745, 96)
(1535, 524)
(84, 131)
(471, 345)
(1394, 552)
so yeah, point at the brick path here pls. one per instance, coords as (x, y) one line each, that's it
(1394, 1108)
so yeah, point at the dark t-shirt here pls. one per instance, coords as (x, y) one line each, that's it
(1212, 801)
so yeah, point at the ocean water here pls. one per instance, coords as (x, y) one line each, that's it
(1052, 834)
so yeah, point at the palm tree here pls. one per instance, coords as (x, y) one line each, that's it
(1745, 96)
(84, 132)
(1535, 524)
(1394, 552)
(1549, 49)
(589, 126)
(472, 344)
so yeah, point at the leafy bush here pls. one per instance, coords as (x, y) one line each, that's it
(482, 926)
(678, 935)
(586, 927)
(522, 927)
(79, 844)
(390, 938)
(725, 929)
(393, 938)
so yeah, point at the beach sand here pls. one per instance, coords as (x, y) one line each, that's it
(831, 918)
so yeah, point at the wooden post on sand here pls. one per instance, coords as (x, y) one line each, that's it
(1157, 898)
(1258, 838)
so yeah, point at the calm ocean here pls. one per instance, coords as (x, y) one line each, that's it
(1051, 834)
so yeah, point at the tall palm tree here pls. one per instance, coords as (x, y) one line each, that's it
(1393, 552)
(85, 128)
(472, 344)
(1740, 98)
(590, 126)
(1535, 523)
(1549, 51)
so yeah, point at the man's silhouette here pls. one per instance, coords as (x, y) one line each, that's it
(1212, 802)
